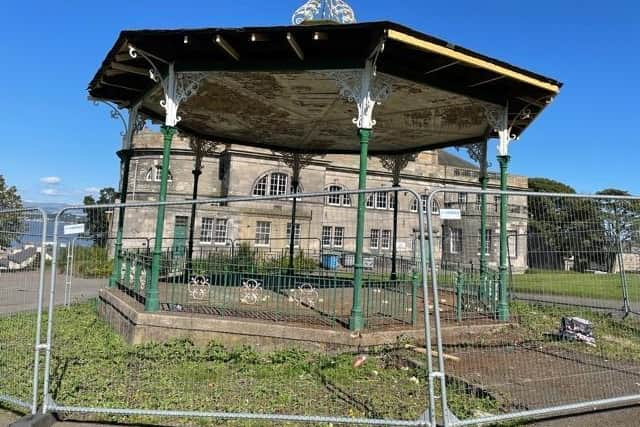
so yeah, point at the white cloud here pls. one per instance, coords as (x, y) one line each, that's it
(92, 190)
(51, 192)
(51, 180)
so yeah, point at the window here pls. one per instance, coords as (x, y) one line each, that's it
(260, 189)
(326, 236)
(455, 240)
(263, 233)
(332, 237)
(296, 236)
(338, 237)
(386, 239)
(371, 201)
(381, 200)
(338, 199)
(221, 232)
(392, 200)
(374, 242)
(512, 238)
(462, 200)
(496, 203)
(278, 184)
(435, 207)
(155, 174)
(489, 239)
(206, 231)
(274, 184)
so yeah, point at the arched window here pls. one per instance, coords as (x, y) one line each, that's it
(435, 207)
(338, 199)
(273, 184)
(154, 174)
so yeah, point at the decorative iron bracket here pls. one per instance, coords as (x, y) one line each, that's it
(178, 87)
(365, 88)
(396, 164)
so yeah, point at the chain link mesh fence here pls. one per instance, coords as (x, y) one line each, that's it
(559, 282)
(23, 255)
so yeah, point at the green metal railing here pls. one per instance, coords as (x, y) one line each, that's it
(476, 294)
(258, 284)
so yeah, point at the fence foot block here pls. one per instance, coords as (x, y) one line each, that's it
(38, 420)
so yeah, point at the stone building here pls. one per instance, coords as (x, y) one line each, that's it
(322, 223)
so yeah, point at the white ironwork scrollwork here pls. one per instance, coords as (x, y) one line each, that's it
(178, 87)
(198, 287)
(365, 88)
(324, 10)
(498, 119)
(251, 292)
(396, 164)
(305, 295)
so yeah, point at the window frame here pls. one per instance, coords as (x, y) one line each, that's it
(385, 239)
(207, 230)
(297, 235)
(335, 237)
(216, 238)
(453, 238)
(376, 239)
(261, 233)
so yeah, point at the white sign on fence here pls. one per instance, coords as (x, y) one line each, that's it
(73, 229)
(450, 214)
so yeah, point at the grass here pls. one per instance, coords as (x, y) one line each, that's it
(93, 366)
(583, 285)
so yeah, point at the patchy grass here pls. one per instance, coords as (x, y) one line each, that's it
(584, 285)
(93, 366)
(616, 339)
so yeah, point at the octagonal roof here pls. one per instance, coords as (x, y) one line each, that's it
(263, 90)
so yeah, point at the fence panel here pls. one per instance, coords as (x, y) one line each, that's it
(241, 272)
(557, 285)
(23, 254)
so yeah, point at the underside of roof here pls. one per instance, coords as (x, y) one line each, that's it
(272, 86)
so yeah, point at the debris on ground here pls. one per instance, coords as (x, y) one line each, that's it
(423, 350)
(576, 329)
(359, 361)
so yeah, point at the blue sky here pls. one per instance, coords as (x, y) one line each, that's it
(56, 146)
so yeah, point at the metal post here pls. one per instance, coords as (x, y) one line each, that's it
(197, 171)
(503, 304)
(414, 298)
(125, 159)
(356, 322)
(292, 237)
(394, 253)
(152, 303)
(484, 181)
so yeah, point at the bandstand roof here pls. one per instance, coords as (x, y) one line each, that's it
(264, 90)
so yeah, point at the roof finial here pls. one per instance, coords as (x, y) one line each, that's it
(324, 10)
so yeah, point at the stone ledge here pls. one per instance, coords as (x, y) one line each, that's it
(128, 318)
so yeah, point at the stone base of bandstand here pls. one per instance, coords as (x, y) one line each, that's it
(128, 318)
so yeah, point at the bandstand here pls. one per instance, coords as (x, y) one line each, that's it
(324, 84)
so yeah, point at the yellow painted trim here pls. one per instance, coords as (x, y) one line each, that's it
(477, 62)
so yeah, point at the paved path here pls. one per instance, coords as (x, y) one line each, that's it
(588, 303)
(19, 290)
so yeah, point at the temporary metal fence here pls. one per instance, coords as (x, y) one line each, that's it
(23, 254)
(555, 290)
(551, 326)
(313, 289)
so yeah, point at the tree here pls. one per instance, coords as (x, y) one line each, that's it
(564, 228)
(98, 218)
(621, 221)
(11, 225)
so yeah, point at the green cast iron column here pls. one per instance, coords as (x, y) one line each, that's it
(152, 301)
(356, 322)
(503, 302)
(125, 159)
(484, 182)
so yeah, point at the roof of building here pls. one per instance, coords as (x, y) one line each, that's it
(446, 158)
